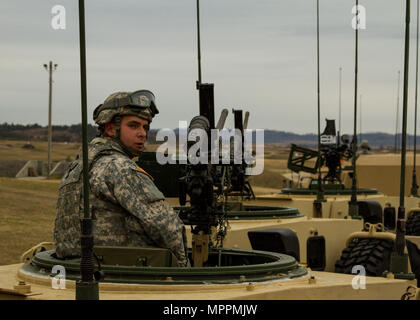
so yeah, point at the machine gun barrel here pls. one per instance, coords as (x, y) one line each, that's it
(222, 119)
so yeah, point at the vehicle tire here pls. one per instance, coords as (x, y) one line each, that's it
(412, 226)
(373, 254)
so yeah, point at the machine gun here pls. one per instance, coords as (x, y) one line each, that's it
(332, 152)
(203, 182)
(239, 185)
(209, 185)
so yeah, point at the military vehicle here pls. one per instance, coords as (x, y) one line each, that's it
(378, 251)
(217, 272)
(336, 181)
(374, 220)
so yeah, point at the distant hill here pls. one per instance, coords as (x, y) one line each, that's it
(379, 140)
(73, 133)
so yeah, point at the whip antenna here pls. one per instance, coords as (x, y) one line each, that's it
(399, 260)
(353, 207)
(339, 101)
(320, 193)
(87, 288)
(414, 185)
(398, 107)
(198, 45)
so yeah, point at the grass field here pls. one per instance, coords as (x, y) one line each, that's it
(27, 208)
(12, 150)
(26, 215)
(27, 211)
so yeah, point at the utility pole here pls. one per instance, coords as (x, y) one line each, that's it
(50, 70)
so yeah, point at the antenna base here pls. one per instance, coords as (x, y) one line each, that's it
(87, 290)
(399, 266)
(354, 210)
(414, 186)
(318, 207)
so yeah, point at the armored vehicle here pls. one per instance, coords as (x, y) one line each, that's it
(217, 271)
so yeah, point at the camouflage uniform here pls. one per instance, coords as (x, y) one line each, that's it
(127, 207)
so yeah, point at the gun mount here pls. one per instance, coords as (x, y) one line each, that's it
(332, 152)
(239, 184)
(208, 183)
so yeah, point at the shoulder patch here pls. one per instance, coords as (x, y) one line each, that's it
(143, 171)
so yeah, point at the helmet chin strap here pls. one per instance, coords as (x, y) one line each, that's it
(131, 152)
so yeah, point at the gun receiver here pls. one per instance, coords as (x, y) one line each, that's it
(332, 151)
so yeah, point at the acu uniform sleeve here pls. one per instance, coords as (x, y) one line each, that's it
(137, 194)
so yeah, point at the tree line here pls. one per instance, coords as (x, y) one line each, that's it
(60, 133)
(73, 133)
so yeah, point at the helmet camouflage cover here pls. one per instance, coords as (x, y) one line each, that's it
(139, 103)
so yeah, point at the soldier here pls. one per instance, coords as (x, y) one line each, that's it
(127, 208)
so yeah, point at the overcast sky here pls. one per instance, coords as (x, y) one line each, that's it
(260, 54)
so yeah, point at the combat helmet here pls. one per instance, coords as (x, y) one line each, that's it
(139, 103)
